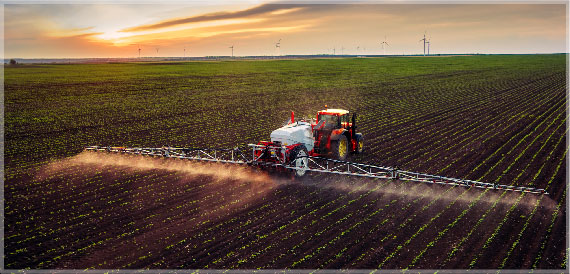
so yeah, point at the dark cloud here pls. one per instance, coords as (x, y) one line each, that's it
(262, 9)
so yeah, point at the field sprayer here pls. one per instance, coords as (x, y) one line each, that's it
(316, 145)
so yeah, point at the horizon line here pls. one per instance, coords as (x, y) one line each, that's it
(275, 56)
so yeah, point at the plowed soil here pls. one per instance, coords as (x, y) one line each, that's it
(488, 118)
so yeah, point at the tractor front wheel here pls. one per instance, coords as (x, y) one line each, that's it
(340, 148)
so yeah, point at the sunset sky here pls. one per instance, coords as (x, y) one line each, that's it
(206, 28)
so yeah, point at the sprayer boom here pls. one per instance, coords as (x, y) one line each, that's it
(280, 158)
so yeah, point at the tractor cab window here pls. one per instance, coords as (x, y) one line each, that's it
(331, 121)
(344, 120)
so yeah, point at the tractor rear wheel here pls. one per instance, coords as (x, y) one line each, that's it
(299, 160)
(359, 143)
(340, 148)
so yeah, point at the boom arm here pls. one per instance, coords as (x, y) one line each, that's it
(315, 164)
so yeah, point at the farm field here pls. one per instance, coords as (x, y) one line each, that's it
(488, 118)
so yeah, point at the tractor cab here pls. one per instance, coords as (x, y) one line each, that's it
(333, 118)
(335, 133)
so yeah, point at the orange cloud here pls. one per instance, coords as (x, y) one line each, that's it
(119, 37)
(205, 32)
(262, 9)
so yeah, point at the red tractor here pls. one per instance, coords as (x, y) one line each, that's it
(333, 134)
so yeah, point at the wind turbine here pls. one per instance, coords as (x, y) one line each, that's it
(157, 51)
(342, 50)
(428, 43)
(139, 51)
(424, 43)
(278, 46)
(184, 51)
(232, 47)
(382, 44)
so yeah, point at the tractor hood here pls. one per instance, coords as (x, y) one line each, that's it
(295, 133)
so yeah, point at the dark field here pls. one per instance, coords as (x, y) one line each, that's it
(489, 118)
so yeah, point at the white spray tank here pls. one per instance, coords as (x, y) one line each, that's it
(294, 133)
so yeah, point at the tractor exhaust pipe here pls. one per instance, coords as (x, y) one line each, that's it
(292, 117)
(354, 125)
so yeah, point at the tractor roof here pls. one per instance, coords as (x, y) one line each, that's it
(333, 111)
